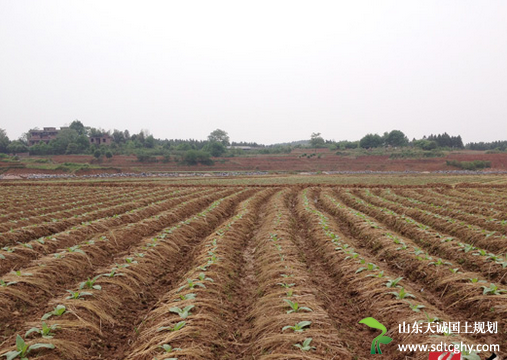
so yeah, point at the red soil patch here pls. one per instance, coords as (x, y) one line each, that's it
(328, 161)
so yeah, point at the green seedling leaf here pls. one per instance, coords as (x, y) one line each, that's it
(298, 327)
(183, 313)
(176, 327)
(306, 345)
(393, 283)
(58, 311)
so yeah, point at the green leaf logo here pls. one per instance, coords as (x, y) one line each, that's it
(381, 339)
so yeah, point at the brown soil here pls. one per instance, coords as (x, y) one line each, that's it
(328, 161)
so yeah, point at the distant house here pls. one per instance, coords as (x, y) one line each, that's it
(104, 139)
(45, 135)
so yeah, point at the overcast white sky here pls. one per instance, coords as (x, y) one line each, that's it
(264, 71)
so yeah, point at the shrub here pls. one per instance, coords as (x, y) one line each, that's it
(469, 165)
(194, 157)
(145, 158)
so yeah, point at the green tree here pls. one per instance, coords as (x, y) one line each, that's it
(194, 157)
(219, 136)
(149, 142)
(78, 126)
(184, 147)
(425, 144)
(40, 149)
(4, 141)
(118, 136)
(316, 141)
(396, 138)
(93, 132)
(83, 143)
(370, 141)
(63, 139)
(215, 148)
(16, 147)
(72, 148)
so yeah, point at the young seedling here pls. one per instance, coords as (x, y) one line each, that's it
(176, 327)
(77, 295)
(90, 284)
(476, 280)
(183, 313)
(295, 307)
(22, 349)
(202, 277)
(130, 260)
(3, 283)
(418, 251)
(306, 345)
(169, 349)
(480, 252)
(112, 274)
(75, 249)
(416, 307)
(45, 331)
(439, 262)
(466, 247)
(492, 289)
(402, 294)
(369, 267)
(353, 255)
(191, 284)
(285, 285)
(27, 245)
(185, 297)
(429, 319)
(379, 275)
(19, 273)
(57, 311)
(393, 283)
(298, 327)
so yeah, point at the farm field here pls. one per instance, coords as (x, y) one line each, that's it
(137, 270)
(299, 160)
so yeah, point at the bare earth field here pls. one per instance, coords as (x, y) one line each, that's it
(232, 269)
(294, 162)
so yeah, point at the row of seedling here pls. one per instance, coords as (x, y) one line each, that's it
(27, 233)
(37, 205)
(75, 209)
(387, 297)
(458, 228)
(79, 260)
(181, 315)
(286, 311)
(451, 210)
(442, 277)
(479, 237)
(421, 233)
(94, 305)
(20, 255)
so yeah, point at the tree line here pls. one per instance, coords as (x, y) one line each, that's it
(75, 140)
